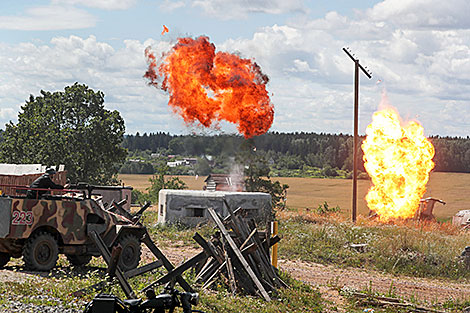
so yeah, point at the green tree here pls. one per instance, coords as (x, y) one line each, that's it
(69, 127)
(159, 181)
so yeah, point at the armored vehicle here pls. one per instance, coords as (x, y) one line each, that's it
(40, 229)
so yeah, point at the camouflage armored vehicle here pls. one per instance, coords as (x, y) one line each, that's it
(40, 229)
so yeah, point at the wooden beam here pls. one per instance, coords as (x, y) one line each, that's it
(107, 258)
(143, 269)
(179, 270)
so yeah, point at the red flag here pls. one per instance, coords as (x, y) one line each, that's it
(165, 30)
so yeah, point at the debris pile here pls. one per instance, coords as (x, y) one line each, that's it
(239, 255)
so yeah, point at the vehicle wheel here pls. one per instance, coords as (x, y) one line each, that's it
(130, 255)
(4, 258)
(41, 252)
(79, 260)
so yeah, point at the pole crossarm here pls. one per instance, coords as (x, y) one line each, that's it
(366, 72)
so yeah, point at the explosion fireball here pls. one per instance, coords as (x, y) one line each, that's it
(398, 158)
(208, 87)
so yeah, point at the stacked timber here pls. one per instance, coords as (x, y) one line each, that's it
(238, 255)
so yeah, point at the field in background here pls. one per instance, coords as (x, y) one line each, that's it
(453, 188)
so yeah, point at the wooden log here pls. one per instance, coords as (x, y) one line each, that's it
(388, 301)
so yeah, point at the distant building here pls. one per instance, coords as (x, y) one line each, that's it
(184, 162)
(176, 163)
(224, 182)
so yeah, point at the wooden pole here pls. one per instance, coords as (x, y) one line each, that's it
(357, 66)
(356, 126)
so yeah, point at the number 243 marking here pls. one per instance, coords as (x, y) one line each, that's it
(22, 218)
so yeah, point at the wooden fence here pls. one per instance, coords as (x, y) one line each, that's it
(25, 181)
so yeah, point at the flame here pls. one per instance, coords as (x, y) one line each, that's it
(398, 158)
(165, 30)
(208, 87)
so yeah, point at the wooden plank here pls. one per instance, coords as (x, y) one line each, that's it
(257, 257)
(209, 263)
(211, 279)
(107, 258)
(265, 259)
(115, 254)
(143, 269)
(179, 270)
(231, 276)
(208, 271)
(208, 246)
(248, 239)
(238, 253)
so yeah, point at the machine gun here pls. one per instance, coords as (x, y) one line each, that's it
(169, 299)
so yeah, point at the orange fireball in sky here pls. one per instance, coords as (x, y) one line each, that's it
(208, 87)
(398, 158)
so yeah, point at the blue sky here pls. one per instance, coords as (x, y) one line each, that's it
(418, 51)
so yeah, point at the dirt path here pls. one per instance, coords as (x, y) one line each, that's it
(331, 277)
(429, 290)
(328, 278)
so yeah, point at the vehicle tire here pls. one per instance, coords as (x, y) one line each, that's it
(4, 259)
(41, 252)
(130, 255)
(79, 260)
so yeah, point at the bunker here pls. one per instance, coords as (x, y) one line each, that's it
(189, 207)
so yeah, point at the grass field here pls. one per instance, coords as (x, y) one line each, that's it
(310, 192)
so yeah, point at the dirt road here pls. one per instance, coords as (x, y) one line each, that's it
(327, 278)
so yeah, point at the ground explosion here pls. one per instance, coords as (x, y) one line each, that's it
(398, 158)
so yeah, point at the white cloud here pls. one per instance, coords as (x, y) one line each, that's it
(170, 5)
(28, 68)
(101, 4)
(424, 68)
(422, 13)
(226, 10)
(51, 17)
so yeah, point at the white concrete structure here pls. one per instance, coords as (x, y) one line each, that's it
(189, 207)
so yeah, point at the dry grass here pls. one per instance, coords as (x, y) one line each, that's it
(310, 192)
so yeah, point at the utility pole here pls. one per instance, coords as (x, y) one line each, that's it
(357, 66)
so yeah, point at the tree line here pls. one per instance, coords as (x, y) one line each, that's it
(290, 151)
(73, 127)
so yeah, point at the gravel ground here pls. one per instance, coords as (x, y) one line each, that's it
(54, 305)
